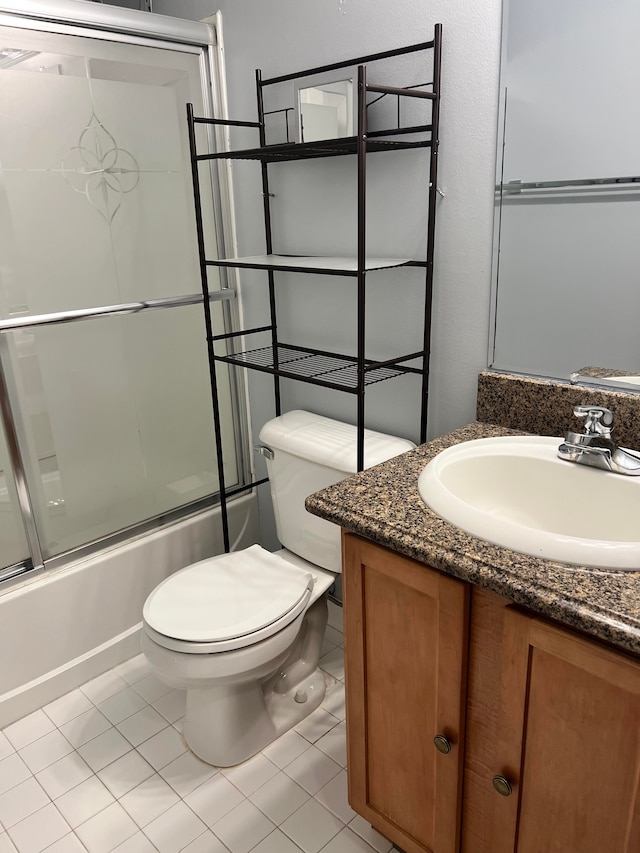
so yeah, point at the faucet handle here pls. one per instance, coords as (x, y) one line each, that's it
(598, 420)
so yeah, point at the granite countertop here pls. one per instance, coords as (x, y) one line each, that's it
(382, 504)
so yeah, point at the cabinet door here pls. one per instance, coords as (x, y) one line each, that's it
(569, 744)
(405, 657)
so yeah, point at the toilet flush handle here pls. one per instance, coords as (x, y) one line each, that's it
(264, 451)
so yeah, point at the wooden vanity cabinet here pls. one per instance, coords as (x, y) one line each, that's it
(568, 743)
(405, 658)
(543, 722)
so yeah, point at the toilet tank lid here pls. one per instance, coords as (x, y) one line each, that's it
(328, 442)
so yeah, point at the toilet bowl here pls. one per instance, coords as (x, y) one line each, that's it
(242, 632)
(232, 636)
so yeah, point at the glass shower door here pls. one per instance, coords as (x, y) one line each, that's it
(96, 209)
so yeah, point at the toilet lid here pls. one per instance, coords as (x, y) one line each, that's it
(226, 597)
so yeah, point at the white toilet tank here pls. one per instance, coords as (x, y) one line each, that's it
(311, 452)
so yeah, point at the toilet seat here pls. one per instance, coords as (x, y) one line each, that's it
(227, 602)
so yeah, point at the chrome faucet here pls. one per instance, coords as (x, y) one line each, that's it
(595, 447)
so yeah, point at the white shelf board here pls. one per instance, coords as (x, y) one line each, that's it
(348, 264)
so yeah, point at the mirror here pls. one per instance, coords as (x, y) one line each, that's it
(606, 377)
(566, 273)
(324, 109)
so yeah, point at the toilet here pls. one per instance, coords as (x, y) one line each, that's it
(242, 632)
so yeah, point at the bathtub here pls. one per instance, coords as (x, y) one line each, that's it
(64, 627)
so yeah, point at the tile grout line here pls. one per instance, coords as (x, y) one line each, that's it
(96, 697)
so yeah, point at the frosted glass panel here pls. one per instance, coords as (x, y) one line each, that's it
(96, 179)
(131, 421)
(96, 209)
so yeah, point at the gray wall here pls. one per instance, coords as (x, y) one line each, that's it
(318, 216)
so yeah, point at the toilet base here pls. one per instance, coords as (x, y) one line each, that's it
(246, 719)
(227, 722)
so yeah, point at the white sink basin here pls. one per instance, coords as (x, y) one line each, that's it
(515, 492)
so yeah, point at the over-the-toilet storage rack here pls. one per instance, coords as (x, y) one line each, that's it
(318, 367)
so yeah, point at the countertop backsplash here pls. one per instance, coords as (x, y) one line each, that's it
(545, 406)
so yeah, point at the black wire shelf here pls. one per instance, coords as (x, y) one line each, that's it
(317, 367)
(312, 150)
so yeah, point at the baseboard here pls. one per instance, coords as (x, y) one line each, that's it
(17, 703)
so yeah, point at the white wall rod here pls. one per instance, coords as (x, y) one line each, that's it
(59, 317)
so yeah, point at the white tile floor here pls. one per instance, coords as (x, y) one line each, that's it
(105, 768)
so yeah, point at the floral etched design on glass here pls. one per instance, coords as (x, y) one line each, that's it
(100, 169)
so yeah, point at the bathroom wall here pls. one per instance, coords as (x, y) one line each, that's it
(285, 35)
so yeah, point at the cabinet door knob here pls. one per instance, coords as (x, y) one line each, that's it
(502, 786)
(443, 744)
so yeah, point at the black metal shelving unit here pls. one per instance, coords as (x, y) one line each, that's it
(350, 374)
